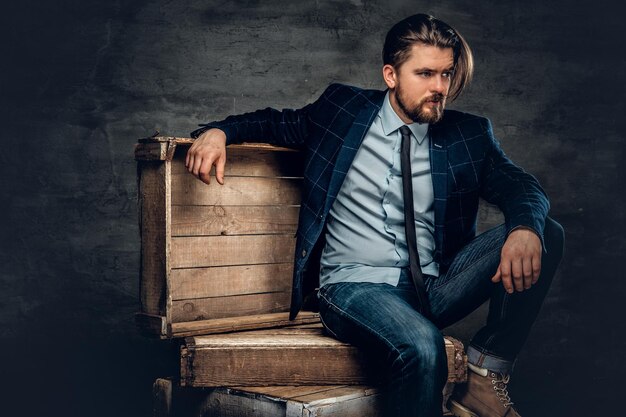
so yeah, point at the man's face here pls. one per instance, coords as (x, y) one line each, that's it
(420, 85)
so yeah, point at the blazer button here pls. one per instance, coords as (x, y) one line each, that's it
(303, 253)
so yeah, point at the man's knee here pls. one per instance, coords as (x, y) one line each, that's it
(424, 352)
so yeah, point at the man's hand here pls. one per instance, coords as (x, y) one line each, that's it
(520, 261)
(208, 149)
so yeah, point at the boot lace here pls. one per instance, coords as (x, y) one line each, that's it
(499, 382)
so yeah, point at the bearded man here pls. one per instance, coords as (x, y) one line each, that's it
(387, 227)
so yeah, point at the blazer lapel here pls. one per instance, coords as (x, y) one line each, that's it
(439, 173)
(350, 146)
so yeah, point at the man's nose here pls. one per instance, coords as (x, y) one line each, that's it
(438, 84)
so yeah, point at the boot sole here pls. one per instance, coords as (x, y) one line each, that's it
(459, 411)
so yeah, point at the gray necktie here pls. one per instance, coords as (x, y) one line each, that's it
(409, 222)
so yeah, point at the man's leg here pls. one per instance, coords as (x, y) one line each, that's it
(383, 322)
(467, 284)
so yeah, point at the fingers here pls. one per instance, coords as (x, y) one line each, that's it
(507, 279)
(497, 277)
(219, 169)
(518, 274)
(207, 150)
(527, 272)
(204, 173)
(517, 271)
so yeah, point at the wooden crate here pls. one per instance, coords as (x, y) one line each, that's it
(300, 355)
(275, 401)
(217, 258)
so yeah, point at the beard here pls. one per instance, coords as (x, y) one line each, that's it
(417, 113)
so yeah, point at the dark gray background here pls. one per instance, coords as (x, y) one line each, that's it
(82, 80)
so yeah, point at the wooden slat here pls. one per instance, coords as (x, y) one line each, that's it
(250, 162)
(231, 280)
(286, 364)
(344, 402)
(233, 220)
(236, 191)
(281, 357)
(290, 392)
(231, 324)
(150, 151)
(334, 394)
(192, 252)
(154, 214)
(226, 402)
(221, 307)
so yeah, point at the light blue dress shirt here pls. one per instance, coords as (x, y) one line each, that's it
(365, 239)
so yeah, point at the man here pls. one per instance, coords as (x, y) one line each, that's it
(353, 237)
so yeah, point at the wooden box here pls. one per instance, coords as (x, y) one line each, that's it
(276, 401)
(300, 355)
(217, 258)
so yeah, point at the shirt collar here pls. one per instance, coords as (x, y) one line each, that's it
(390, 122)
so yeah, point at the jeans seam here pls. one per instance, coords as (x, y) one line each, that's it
(484, 350)
(487, 352)
(473, 265)
(328, 328)
(359, 324)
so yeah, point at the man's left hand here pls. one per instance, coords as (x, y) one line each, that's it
(520, 261)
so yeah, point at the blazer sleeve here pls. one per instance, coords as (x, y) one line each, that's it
(288, 128)
(518, 194)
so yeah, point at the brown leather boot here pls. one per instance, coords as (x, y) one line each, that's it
(484, 395)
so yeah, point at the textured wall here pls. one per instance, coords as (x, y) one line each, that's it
(82, 80)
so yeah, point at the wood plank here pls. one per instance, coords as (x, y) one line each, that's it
(347, 404)
(179, 140)
(221, 307)
(250, 162)
(150, 151)
(276, 365)
(233, 220)
(336, 393)
(236, 191)
(231, 324)
(230, 280)
(291, 356)
(224, 402)
(154, 203)
(290, 392)
(203, 251)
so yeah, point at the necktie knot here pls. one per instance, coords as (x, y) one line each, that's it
(405, 131)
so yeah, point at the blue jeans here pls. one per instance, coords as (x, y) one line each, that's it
(382, 320)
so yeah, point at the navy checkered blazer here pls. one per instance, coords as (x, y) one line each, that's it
(466, 163)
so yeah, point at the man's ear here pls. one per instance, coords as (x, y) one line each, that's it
(389, 75)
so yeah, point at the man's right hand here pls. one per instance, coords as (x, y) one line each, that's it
(208, 149)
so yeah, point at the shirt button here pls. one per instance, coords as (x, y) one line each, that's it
(386, 202)
(303, 253)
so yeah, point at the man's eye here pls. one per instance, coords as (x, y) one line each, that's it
(425, 74)
(447, 74)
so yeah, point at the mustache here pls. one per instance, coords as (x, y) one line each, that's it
(437, 97)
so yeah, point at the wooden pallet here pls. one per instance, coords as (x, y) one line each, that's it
(275, 401)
